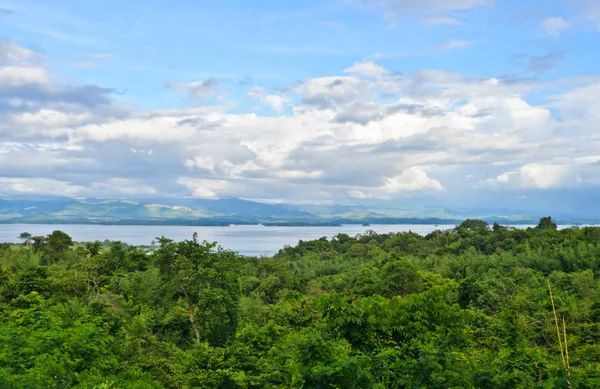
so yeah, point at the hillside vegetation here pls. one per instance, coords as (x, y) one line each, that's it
(463, 308)
(223, 212)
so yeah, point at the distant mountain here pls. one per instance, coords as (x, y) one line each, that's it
(29, 210)
(241, 207)
(193, 211)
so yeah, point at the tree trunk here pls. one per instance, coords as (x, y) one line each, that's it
(191, 314)
(539, 372)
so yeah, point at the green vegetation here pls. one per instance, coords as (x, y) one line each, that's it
(225, 212)
(464, 308)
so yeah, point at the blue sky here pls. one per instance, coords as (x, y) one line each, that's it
(278, 43)
(447, 101)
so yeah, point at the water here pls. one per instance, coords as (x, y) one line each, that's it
(248, 240)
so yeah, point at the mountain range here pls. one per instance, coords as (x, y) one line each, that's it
(195, 211)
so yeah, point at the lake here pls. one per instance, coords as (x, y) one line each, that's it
(248, 240)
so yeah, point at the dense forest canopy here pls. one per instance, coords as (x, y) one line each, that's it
(463, 308)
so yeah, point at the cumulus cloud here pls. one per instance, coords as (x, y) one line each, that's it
(367, 69)
(275, 101)
(203, 188)
(13, 77)
(34, 106)
(327, 92)
(13, 54)
(337, 141)
(565, 172)
(199, 90)
(202, 163)
(535, 175)
(580, 108)
(554, 26)
(412, 179)
(364, 113)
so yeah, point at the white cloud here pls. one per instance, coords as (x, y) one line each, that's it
(209, 189)
(162, 128)
(51, 118)
(299, 174)
(367, 69)
(554, 26)
(337, 140)
(329, 91)
(256, 93)
(534, 175)
(19, 76)
(13, 54)
(580, 108)
(43, 186)
(199, 90)
(543, 176)
(203, 163)
(412, 179)
(275, 101)
(569, 172)
(358, 194)
(589, 160)
(54, 187)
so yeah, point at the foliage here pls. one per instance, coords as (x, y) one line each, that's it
(464, 308)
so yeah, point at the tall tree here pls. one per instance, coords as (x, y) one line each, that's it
(58, 241)
(546, 223)
(206, 278)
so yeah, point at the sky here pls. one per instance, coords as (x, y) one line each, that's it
(462, 103)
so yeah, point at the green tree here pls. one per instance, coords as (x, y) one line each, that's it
(207, 279)
(463, 308)
(498, 228)
(36, 242)
(58, 241)
(54, 245)
(93, 248)
(400, 278)
(546, 223)
(474, 225)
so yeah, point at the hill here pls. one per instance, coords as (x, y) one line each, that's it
(193, 211)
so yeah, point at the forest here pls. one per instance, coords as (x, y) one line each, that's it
(475, 306)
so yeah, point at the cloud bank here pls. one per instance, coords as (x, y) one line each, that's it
(336, 138)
